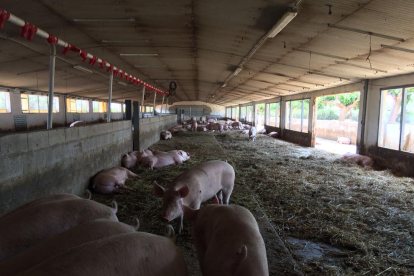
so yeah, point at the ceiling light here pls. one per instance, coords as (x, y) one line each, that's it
(138, 55)
(237, 71)
(103, 19)
(122, 83)
(83, 69)
(224, 85)
(149, 66)
(125, 41)
(286, 18)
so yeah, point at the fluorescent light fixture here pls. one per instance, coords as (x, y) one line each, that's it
(83, 69)
(237, 71)
(138, 55)
(122, 83)
(398, 48)
(103, 19)
(150, 66)
(224, 85)
(286, 18)
(360, 66)
(125, 41)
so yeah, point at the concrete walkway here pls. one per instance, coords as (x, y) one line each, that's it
(333, 146)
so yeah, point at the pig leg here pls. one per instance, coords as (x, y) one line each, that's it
(219, 196)
(226, 194)
(132, 175)
(180, 225)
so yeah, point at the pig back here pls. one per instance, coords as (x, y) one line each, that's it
(89, 231)
(221, 231)
(33, 225)
(128, 254)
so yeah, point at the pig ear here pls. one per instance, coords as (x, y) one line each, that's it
(159, 191)
(169, 233)
(135, 224)
(241, 254)
(180, 152)
(114, 206)
(189, 213)
(184, 191)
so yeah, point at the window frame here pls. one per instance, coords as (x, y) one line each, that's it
(268, 117)
(7, 110)
(104, 106)
(39, 111)
(289, 109)
(113, 104)
(402, 117)
(70, 110)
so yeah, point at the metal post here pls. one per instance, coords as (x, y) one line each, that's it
(111, 80)
(166, 103)
(51, 84)
(153, 109)
(162, 104)
(142, 101)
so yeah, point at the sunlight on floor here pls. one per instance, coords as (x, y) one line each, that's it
(333, 146)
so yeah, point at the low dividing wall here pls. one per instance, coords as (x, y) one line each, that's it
(150, 129)
(332, 129)
(41, 163)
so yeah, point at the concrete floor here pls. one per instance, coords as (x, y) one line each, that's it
(333, 147)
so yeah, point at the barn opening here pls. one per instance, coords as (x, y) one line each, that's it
(337, 118)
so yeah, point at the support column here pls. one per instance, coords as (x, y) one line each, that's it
(142, 101)
(162, 104)
(166, 105)
(51, 84)
(267, 113)
(111, 80)
(135, 134)
(153, 108)
(362, 116)
(128, 110)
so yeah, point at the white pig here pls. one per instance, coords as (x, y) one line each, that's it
(194, 126)
(112, 180)
(31, 226)
(86, 232)
(195, 186)
(228, 241)
(129, 254)
(252, 134)
(163, 159)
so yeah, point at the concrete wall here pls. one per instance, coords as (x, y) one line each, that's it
(332, 129)
(40, 163)
(38, 121)
(150, 129)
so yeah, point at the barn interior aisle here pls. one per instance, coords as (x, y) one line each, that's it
(335, 217)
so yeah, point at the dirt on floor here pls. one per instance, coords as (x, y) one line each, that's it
(335, 218)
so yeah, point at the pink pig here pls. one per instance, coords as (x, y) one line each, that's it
(273, 134)
(165, 135)
(164, 159)
(237, 125)
(128, 254)
(263, 131)
(228, 241)
(343, 140)
(194, 126)
(362, 160)
(194, 186)
(201, 128)
(215, 126)
(112, 180)
(33, 225)
(86, 232)
(252, 134)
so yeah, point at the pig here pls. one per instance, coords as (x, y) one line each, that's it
(165, 159)
(273, 134)
(237, 125)
(229, 122)
(228, 241)
(129, 160)
(43, 200)
(362, 160)
(127, 254)
(165, 135)
(212, 120)
(226, 127)
(194, 186)
(194, 126)
(192, 119)
(201, 128)
(86, 232)
(246, 131)
(35, 224)
(248, 127)
(112, 180)
(77, 124)
(252, 134)
(343, 140)
(263, 131)
(202, 120)
(215, 126)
